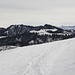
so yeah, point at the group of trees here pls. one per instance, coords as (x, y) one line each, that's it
(26, 39)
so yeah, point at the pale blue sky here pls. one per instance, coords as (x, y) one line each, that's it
(37, 12)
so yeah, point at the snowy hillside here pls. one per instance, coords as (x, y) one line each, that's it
(56, 58)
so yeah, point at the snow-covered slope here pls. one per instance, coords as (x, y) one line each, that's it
(41, 32)
(56, 58)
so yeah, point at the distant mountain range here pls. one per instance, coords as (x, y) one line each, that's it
(68, 27)
(14, 30)
(24, 35)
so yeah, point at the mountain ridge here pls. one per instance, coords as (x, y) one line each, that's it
(24, 35)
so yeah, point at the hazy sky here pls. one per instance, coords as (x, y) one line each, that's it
(37, 12)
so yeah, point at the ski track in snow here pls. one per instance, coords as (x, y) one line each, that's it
(55, 58)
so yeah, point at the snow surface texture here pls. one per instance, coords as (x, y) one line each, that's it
(56, 58)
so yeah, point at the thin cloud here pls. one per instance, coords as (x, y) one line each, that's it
(36, 11)
(35, 4)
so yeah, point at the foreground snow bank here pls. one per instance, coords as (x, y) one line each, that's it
(56, 58)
